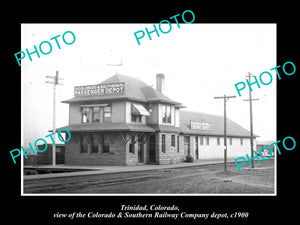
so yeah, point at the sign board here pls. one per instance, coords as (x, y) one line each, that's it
(200, 125)
(100, 89)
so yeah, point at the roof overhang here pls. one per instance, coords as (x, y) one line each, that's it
(105, 127)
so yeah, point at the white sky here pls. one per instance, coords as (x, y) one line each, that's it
(199, 61)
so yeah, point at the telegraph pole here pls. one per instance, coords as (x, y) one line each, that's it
(54, 80)
(226, 98)
(251, 117)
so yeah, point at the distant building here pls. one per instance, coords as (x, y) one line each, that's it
(45, 158)
(123, 121)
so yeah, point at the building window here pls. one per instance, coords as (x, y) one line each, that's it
(177, 143)
(218, 140)
(164, 117)
(105, 144)
(201, 140)
(86, 115)
(96, 115)
(163, 143)
(131, 145)
(137, 111)
(230, 141)
(136, 118)
(95, 143)
(107, 114)
(173, 140)
(207, 140)
(166, 114)
(84, 143)
(241, 141)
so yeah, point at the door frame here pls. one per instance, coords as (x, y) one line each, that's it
(152, 149)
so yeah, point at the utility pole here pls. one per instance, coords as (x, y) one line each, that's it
(226, 98)
(251, 117)
(54, 81)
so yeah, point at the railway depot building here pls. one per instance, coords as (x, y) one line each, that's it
(123, 121)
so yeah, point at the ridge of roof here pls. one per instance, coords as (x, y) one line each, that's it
(118, 77)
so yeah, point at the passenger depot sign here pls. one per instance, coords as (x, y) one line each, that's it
(100, 89)
(199, 125)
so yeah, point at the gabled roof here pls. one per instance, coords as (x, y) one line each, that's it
(216, 127)
(135, 89)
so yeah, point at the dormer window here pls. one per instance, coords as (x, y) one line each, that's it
(166, 114)
(107, 114)
(98, 113)
(137, 111)
(86, 115)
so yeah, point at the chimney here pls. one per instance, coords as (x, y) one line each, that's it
(160, 82)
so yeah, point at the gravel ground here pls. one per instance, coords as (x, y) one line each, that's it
(203, 179)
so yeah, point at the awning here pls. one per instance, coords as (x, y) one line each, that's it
(137, 109)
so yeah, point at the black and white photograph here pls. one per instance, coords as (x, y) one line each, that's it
(131, 114)
(147, 117)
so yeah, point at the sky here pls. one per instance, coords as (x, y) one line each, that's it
(199, 61)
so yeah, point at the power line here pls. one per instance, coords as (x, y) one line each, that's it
(251, 117)
(226, 98)
(55, 81)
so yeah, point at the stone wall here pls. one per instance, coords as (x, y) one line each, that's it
(115, 156)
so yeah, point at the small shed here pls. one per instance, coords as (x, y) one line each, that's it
(45, 158)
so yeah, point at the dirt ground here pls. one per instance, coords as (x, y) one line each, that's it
(202, 179)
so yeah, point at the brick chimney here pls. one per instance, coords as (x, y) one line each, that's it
(160, 82)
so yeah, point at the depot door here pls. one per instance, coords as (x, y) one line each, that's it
(187, 150)
(141, 143)
(152, 149)
(197, 147)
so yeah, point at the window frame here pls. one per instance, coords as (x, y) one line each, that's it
(132, 145)
(94, 112)
(104, 114)
(93, 137)
(173, 140)
(86, 110)
(178, 137)
(207, 140)
(136, 118)
(166, 114)
(201, 140)
(107, 119)
(163, 143)
(84, 147)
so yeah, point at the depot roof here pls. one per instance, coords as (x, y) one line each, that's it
(108, 127)
(135, 89)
